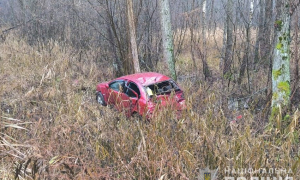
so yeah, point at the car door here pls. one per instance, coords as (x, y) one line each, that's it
(131, 98)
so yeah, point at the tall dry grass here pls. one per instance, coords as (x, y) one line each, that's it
(52, 127)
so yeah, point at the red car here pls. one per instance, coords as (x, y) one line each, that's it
(140, 93)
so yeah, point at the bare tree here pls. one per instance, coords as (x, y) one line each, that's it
(206, 70)
(247, 52)
(131, 25)
(266, 44)
(229, 40)
(148, 41)
(193, 41)
(167, 35)
(260, 34)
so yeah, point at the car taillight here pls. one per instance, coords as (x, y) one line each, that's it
(179, 97)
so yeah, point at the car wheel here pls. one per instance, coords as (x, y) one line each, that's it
(100, 99)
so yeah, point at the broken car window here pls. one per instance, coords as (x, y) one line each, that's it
(164, 87)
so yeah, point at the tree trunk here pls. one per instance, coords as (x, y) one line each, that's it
(211, 16)
(131, 25)
(281, 61)
(206, 71)
(116, 45)
(229, 41)
(265, 46)
(192, 38)
(167, 36)
(116, 61)
(246, 58)
(260, 35)
(226, 60)
(296, 56)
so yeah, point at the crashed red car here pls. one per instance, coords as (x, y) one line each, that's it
(140, 93)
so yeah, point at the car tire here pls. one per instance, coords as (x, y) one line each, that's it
(100, 99)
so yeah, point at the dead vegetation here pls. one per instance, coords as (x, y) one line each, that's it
(52, 127)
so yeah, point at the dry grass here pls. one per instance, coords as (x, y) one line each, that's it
(52, 127)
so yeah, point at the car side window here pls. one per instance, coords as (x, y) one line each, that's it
(131, 93)
(133, 87)
(117, 86)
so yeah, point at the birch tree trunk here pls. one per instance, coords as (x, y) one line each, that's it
(281, 61)
(167, 36)
(131, 25)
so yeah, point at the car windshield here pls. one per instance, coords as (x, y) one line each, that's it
(164, 87)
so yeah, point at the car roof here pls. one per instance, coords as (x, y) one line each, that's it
(146, 78)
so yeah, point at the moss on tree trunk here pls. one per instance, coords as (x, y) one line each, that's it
(281, 61)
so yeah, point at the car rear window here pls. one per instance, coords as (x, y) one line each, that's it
(162, 88)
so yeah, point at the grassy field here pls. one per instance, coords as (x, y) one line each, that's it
(52, 128)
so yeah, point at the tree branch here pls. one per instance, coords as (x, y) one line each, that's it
(14, 27)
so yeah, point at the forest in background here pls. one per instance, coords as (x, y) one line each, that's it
(53, 54)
